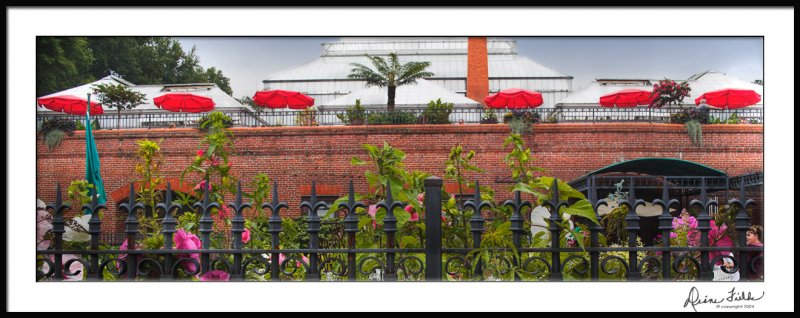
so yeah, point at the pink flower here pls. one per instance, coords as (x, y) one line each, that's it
(187, 241)
(230, 163)
(122, 247)
(215, 275)
(421, 197)
(223, 212)
(74, 267)
(374, 224)
(673, 235)
(200, 152)
(373, 209)
(305, 259)
(43, 225)
(443, 219)
(414, 217)
(246, 235)
(409, 209)
(201, 185)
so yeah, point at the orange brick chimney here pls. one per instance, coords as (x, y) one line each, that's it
(477, 69)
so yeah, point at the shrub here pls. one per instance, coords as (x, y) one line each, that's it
(685, 115)
(437, 112)
(354, 115)
(205, 121)
(391, 118)
(489, 116)
(53, 130)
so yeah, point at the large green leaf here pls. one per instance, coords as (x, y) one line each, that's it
(564, 190)
(408, 241)
(582, 208)
(357, 162)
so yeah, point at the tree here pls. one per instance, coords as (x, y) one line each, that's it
(759, 82)
(214, 75)
(119, 97)
(61, 63)
(64, 62)
(389, 75)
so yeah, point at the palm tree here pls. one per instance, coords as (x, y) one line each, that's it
(389, 75)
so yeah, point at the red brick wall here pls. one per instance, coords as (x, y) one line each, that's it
(477, 69)
(295, 155)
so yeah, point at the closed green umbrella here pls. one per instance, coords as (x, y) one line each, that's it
(93, 162)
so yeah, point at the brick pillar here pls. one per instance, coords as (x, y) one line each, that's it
(477, 69)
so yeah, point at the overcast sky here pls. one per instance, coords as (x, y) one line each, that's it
(249, 60)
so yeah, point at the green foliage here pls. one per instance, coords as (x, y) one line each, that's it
(457, 164)
(61, 63)
(222, 120)
(388, 165)
(53, 138)
(489, 116)
(690, 114)
(65, 62)
(148, 168)
(437, 112)
(261, 186)
(306, 117)
(53, 130)
(189, 222)
(354, 115)
(80, 126)
(119, 97)
(211, 164)
(695, 131)
(391, 118)
(78, 193)
(391, 74)
(520, 121)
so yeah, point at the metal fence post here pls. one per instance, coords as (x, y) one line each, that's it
(237, 229)
(433, 229)
(665, 226)
(275, 230)
(516, 224)
(390, 227)
(94, 230)
(58, 232)
(131, 229)
(476, 223)
(314, 224)
(206, 226)
(351, 228)
(632, 226)
(555, 231)
(594, 230)
(742, 221)
(704, 225)
(168, 224)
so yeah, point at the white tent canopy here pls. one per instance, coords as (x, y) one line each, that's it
(221, 99)
(699, 83)
(407, 96)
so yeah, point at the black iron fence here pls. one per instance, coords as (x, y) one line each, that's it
(268, 118)
(517, 260)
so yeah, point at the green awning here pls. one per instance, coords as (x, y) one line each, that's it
(661, 167)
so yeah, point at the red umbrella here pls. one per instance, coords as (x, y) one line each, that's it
(184, 102)
(514, 98)
(626, 98)
(730, 98)
(69, 104)
(281, 98)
